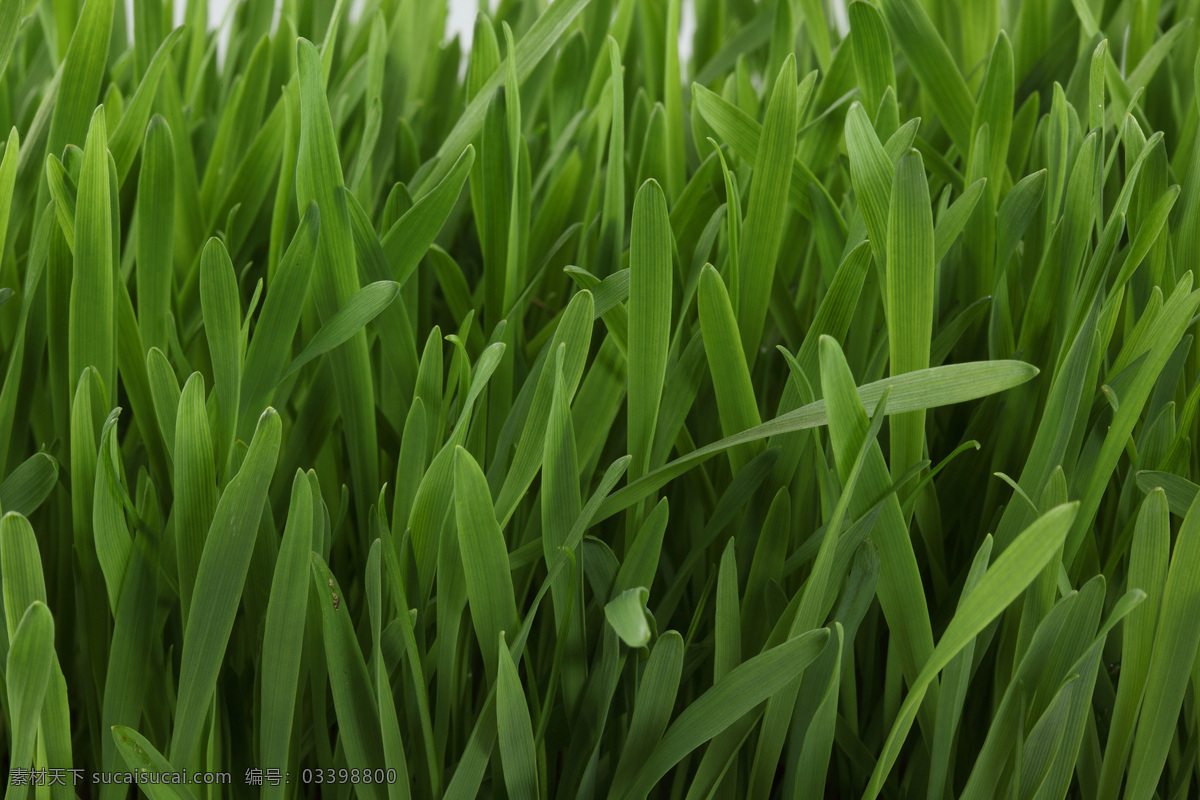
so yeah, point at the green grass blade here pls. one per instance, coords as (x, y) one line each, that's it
(910, 296)
(220, 576)
(30, 657)
(871, 172)
(156, 226)
(366, 304)
(515, 730)
(484, 557)
(872, 49)
(335, 276)
(28, 486)
(925, 389)
(127, 135)
(727, 363)
(727, 701)
(998, 587)
(280, 316)
(195, 485)
(130, 656)
(92, 329)
(350, 683)
(1148, 565)
(283, 631)
(652, 707)
(1170, 662)
(143, 757)
(933, 66)
(113, 542)
(650, 277)
(766, 211)
(223, 315)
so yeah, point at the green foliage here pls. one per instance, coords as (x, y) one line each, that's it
(801, 406)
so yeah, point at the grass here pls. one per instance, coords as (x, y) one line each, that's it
(808, 410)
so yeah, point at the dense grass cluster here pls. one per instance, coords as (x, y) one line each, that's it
(809, 411)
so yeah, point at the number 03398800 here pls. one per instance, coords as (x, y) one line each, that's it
(331, 775)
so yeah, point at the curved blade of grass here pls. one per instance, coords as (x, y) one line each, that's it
(349, 320)
(766, 210)
(951, 223)
(817, 748)
(155, 233)
(142, 757)
(995, 110)
(626, 615)
(1170, 661)
(871, 172)
(280, 316)
(1148, 564)
(21, 568)
(80, 78)
(612, 222)
(650, 278)
(726, 702)
(131, 650)
(651, 708)
(954, 686)
(28, 486)
(1017, 210)
(431, 503)
(165, 393)
(517, 754)
(484, 557)
(561, 504)
(92, 329)
(222, 311)
(195, 485)
(537, 41)
(219, 581)
(924, 389)
(1008, 576)
(113, 542)
(349, 681)
(909, 297)
(127, 135)
(283, 631)
(814, 603)
(473, 764)
(27, 674)
(409, 239)
(872, 50)
(1168, 328)
(335, 277)
(1147, 235)
(736, 403)
(568, 349)
(34, 270)
(641, 559)
(1180, 492)
(933, 66)
(743, 133)
(65, 195)
(8, 166)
